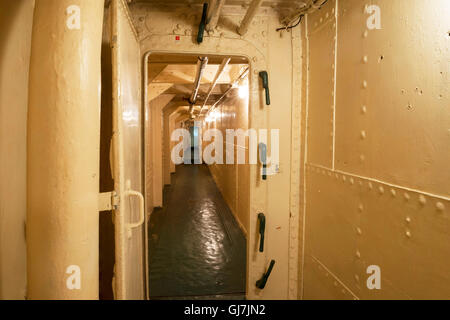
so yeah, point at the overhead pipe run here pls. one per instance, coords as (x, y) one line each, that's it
(311, 7)
(215, 7)
(233, 85)
(251, 12)
(201, 65)
(219, 73)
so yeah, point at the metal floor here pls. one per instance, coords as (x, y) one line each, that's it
(197, 250)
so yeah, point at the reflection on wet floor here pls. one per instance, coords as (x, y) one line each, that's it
(196, 247)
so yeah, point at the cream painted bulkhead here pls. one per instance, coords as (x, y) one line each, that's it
(364, 126)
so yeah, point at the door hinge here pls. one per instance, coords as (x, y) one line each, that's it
(108, 201)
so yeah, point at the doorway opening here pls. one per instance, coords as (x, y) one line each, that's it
(197, 192)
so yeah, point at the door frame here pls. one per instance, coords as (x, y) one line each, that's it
(146, 58)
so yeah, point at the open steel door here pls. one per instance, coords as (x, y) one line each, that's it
(127, 157)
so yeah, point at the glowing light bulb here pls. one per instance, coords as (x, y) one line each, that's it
(243, 91)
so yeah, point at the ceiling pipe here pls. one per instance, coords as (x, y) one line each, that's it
(251, 12)
(219, 73)
(215, 7)
(233, 85)
(211, 9)
(201, 65)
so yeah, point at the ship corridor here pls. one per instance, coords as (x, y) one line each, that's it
(337, 186)
(196, 231)
(197, 249)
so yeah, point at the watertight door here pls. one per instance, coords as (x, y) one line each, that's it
(129, 216)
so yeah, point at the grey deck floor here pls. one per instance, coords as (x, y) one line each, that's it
(196, 247)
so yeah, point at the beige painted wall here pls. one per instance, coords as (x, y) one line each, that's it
(232, 179)
(16, 19)
(377, 176)
(156, 107)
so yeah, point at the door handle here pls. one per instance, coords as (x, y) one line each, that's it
(265, 82)
(130, 193)
(201, 28)
(262, 228)
(261, 283)
(263, 159)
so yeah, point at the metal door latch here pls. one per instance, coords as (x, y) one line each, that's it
(261, 283)
(108, 201)
(262, 228)
(263, 159)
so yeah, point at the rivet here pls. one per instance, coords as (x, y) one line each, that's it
(361, 207)
(364, 109)
(352, 181)
(370, 185)
(363, 134)
(393, 192)
(408, 219)
(362, 158)
(358, 254)
(408, 234)
(406, 196)
(359, 231)
(365, 59)
(364, 84)
(366, 34)
(440, 206)
(344, 178)
(422, 200)
(381, 190)
(356, 277)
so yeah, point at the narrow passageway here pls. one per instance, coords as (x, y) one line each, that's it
(197, 249)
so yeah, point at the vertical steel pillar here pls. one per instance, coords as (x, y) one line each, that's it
(63, 150)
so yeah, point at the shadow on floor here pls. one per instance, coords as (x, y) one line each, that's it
(197, 250)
